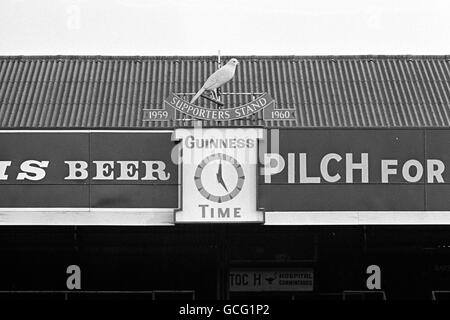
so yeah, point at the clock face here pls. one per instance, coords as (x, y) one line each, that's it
(219, 177)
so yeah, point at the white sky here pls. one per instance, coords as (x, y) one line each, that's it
(236, 27)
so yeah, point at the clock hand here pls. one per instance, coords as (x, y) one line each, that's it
(219, 176)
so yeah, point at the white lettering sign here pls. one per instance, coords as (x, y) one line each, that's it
(242, 280)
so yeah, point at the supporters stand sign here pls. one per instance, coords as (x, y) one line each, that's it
(174, 103)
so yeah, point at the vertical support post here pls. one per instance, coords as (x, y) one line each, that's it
(218, 270)
(316, 247)
(225, 265)
(219, 65)
(222, 263)
(75, 239)
(365, 239)
(316, 260)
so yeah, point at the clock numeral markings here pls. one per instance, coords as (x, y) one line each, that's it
(221, 157)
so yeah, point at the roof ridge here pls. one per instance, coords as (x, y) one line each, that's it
(283, 57)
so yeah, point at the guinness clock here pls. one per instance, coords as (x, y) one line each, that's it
(219, 177)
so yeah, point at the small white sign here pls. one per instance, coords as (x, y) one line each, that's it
(243, 280)
(219, 175)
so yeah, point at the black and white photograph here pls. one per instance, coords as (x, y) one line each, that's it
(224, 158)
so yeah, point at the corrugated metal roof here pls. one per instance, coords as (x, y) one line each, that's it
(327, 91)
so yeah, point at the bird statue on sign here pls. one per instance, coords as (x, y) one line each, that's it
(217, 79)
